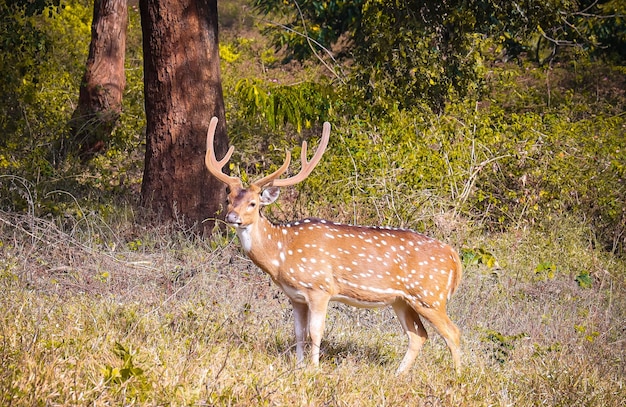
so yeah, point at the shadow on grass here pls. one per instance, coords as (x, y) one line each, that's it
(337, 352)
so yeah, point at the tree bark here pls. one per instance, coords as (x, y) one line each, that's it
(100, 97)
(183, 90)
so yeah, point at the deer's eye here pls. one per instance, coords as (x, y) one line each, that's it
(228, 190)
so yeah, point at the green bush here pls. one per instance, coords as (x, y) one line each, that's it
(495, 164)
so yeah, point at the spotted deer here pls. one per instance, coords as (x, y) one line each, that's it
(315, 261)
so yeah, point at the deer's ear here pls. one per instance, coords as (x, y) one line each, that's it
(269, 195)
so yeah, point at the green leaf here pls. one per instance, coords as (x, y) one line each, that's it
(584, 279)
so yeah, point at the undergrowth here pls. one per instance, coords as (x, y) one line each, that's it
(109, 312)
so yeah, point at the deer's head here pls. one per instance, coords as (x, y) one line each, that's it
(244, 203)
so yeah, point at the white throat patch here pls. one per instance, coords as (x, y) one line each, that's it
(244, 238)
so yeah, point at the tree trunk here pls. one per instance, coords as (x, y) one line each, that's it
(183, 90)
(100, 97)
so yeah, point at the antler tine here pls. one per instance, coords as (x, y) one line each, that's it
(307, 166)
(213, 165)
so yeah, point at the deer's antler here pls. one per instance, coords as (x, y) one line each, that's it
(307, 166)
(213, 165)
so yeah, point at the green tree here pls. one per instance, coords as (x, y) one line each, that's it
(409, 51)
(23, 45)
(41, 52)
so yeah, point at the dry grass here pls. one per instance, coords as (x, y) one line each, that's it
(111, 313)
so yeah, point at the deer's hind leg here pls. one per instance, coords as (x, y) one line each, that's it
(414, 329)
(447, 329)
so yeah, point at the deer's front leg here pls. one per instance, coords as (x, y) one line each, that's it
(317, 321)
(301, 319)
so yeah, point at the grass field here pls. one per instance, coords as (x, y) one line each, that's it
(115, 313)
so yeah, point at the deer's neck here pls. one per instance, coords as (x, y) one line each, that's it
(263, 242)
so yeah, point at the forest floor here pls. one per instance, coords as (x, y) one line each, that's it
(115, 313)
